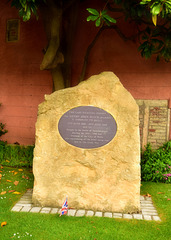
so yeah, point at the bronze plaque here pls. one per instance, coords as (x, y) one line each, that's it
(87, 127)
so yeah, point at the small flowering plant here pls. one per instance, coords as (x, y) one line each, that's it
(167, 176)
(156, 165)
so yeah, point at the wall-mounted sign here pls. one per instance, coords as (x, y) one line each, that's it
(87, 127)
(13, 28)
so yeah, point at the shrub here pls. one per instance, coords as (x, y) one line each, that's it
(156, 164)
(16, 155)
(2, 128)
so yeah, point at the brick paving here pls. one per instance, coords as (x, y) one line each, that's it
(148, 211)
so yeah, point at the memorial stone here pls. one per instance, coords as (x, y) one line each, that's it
(88, 148)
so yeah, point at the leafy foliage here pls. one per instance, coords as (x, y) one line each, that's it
(156, 165)
(152, 18)
(26, 7)
(100, 17)
(157, 40)
(2, 128)
(16, 155)
(159, 7)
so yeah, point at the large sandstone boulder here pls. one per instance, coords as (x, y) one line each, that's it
(105, 178)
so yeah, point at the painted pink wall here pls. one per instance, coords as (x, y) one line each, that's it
(22, 84)
(145, 79)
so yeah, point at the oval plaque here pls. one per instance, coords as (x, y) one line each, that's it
(87, 127)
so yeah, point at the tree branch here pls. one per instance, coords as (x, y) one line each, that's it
(119, 32)
(81, 78)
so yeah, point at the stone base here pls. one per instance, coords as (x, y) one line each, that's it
(148, 211)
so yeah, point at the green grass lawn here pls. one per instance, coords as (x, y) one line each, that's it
(37, 226)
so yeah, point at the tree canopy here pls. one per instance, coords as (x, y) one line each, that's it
(152, 19)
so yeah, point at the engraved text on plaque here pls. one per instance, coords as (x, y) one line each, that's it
(87, 127)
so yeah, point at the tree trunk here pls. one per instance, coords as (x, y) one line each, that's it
(53, 58)
(58, 79)
(69, 29)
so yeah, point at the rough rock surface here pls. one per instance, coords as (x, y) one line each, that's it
(105, 178)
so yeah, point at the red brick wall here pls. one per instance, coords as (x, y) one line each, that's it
(154, 122)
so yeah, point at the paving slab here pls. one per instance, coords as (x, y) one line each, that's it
(54, 210)
(25, 209)
(148, 198)
(28, 197)
(117, 215)
(147, 217)
(137, 216)
(147, 205)
(71, 212)
(80, 213)
(108, 214)
(45, 210)
(149, 210)
(35, 209)
(150, 213)
(129, 216)
(146, 202)
(142, 198)
(23, 202)
(98, 214)
(16, 208)
(23, 205)
(89, 213)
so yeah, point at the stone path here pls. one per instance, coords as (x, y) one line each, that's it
(148, 211)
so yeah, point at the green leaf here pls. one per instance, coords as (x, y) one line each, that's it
(145, 2)
(93, 11)
(24, 4)
(27, 15)
(168, 7)
(103, 12)
(92, 18)
(142, 46)
(33, 7)
(156, 9)
(21, 12)
(106, 21)
(154, 19)
(168, 2)
(110, 19)
(98, 21)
